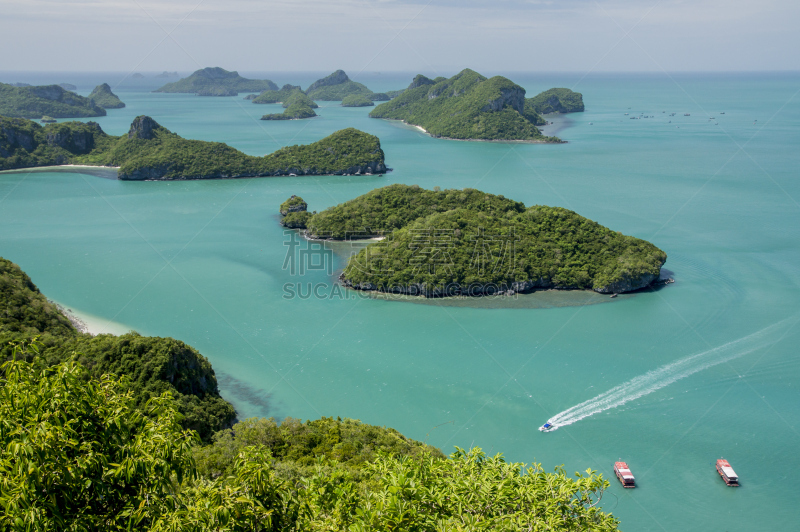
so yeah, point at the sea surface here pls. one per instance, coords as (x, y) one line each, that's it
(667, 380)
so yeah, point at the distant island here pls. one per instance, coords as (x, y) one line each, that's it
(45, 100)
(357, 100)
(275, 96)
(297, 106)
(213, 80)
(468, 242)
(103, 97)
(149, 151)
(335, 87)
(470, 106)
(164, 74)
(68, 86)
(137, 75)
(556, 101)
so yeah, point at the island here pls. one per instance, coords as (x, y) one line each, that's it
(556, 101)
(45, 100)
(216, 79)
(217, 91)
(103, 97)
(164, 74)
(335, 87)
(357, 100)
(442, 243)
(297, 106)
(294, 213)
(150, 151)
(468, 106)
(68, 86)
(137, 75)
(276, 96)
(143, 413)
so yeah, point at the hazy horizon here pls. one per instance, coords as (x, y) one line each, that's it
(437, 36)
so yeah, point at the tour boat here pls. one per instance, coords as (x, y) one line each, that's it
(727, 473)
(624, 475)
(547, 427)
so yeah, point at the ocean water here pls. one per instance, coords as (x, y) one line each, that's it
(671, 379)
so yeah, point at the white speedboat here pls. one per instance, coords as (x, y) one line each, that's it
(547, 427)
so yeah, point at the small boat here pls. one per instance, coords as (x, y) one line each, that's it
(686, 114)
(591, 123)
(547, 427)
(722, 113)
(624, 475)
(672, 114)
(612, 296)
(727, 473)
(626, 114)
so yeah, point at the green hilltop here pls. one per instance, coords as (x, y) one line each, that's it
(335, 87)
(150, 151)
(103, 97)
(544, 247)
(357, 100)
(275, 96)
(46, 100)
(469, 106)
(556, 101)
(297, 105)
(217, 81)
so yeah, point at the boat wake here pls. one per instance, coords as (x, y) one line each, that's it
(666, 375)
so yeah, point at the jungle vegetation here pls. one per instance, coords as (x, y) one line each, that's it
(46, 100)
(357, 100)
(103, 97)
(150, 151)
(216, 78)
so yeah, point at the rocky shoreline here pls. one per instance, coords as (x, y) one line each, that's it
(498, 141)
(78, 323)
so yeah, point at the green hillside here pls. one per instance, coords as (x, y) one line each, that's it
(47, 100)
(103, 97)
(217, 79)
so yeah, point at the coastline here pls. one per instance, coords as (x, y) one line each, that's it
(89, 323)
(508, 141)
(51, 167)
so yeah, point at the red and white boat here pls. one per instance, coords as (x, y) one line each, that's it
(624, 475)
(727, 473)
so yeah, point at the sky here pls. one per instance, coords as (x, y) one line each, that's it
(400, 35)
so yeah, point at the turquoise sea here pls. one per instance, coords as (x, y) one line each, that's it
(204, 262)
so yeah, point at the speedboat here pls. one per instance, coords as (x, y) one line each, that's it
(547, 427)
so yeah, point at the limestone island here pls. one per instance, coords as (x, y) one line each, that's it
(471, 243)
(215, 81)
(275, 96)
(149, 151)
(357, 100)
(335, 87)
(294, 213)
(45, 100)
(297, 105)
(103, 97)
(469, 106)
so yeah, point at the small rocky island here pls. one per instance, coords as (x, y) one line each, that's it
(103, 97)
(215, 81)
(470, 106)
(357, 100)
(45, 100)
(149, 151)
(335, 87)
(467, 242)
(294, 213)
(297, 105)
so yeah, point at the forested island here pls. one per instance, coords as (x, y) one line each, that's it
(275, 96)
(467, 242)
(469, 106)
(335, 87)
(103, 97)
(297, 106)
(216, 81)
(150, 151)
(103, 431)
(357, 100)
(45, 100)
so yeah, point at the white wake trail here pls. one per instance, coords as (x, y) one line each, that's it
(666, 375)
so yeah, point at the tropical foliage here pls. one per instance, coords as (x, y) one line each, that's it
(217, 78)
(543, 247)
(556, 101)
(161, 154)
(47, 100)
(275, 96)
(152, 366)
(294, 203)
(358, 100)
(103, 97)
(335, 87)
(466, 106)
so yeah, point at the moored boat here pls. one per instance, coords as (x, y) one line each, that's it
(727, 473)
(624, 475)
